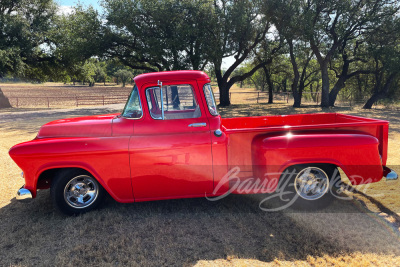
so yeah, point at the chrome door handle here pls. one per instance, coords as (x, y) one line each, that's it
(200, 124)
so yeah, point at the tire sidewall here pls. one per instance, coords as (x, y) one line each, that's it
(300, 203)
(57, 192)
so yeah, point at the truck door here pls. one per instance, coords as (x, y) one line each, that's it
(170, 151)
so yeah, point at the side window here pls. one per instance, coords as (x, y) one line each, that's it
(179, 102)
(208, 93)
(133, 108)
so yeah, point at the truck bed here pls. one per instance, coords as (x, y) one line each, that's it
(320, 120)
(241, 131)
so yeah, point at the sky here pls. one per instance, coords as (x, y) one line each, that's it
(66, 7)
(69, 3)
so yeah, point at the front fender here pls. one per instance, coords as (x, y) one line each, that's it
(106, 158)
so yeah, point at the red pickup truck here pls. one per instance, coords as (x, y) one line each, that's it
(170, 142)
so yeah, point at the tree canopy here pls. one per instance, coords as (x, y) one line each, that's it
(279, 45)
(24, 25)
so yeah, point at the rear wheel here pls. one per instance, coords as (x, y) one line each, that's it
(75, 192)
(312, 186)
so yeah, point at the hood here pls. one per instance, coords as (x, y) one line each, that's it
(90, 126)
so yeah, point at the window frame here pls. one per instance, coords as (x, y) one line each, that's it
(169, 85)
(127, 102)
(213, 98)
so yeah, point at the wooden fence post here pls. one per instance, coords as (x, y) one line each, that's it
(258, 95)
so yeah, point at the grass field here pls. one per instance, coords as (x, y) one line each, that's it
(229, 232)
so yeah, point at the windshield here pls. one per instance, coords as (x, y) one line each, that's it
(208, 92)
(133, 108)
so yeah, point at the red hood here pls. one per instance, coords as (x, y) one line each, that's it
(90, 126)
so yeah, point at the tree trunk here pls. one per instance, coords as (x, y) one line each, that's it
(339, 85)
(284, 83)
(375, 97)
(325, 85)
(224, 100)
(297, 100)
(4, 102)
(323, 65)
(379, 94)
(270, 86)
(223, 87)
(301, 89)
(270, 95)
(175, 97)
(313, 96)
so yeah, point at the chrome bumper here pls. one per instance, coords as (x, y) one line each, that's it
(23, 195)
(390, 174)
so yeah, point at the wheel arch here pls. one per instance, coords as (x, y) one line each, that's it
(46, 177)
(46, 174)
(327, 162)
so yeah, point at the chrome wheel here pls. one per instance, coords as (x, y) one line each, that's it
(311, 183)
(81, 191)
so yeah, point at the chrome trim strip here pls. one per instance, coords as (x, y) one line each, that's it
(200, 124)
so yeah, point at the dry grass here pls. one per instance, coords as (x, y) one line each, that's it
(230, 232)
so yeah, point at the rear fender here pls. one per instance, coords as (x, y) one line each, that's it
(356, 154)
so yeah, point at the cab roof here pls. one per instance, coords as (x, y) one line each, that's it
(170, 75)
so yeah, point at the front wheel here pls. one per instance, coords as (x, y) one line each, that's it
(74, 192)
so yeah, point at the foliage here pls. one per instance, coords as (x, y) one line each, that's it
(158, 35)
(24, 25)
(124, 75)
(298, 46)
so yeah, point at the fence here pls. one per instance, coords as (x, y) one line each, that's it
(57, 101)
(287, 97)
(235, 97)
